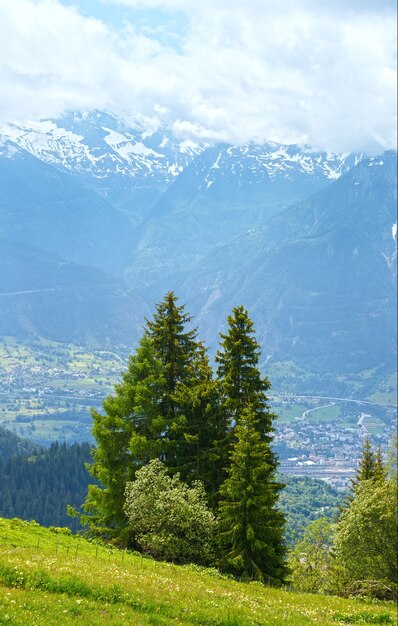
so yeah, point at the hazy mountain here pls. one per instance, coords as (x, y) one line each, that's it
(224, 192)
(125, 161)
(305, 240)
(44, 295)
(320, 278)
(50, 209)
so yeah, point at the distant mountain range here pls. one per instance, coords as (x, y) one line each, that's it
(320, 277)
(131, 167)
(102, 217)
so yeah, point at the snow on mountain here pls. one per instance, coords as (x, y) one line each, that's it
(274, 162)
(102, 145)
(131, 163)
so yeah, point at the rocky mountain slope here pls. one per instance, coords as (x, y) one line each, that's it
(320, 277)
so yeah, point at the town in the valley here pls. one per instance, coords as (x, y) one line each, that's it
(46, 393)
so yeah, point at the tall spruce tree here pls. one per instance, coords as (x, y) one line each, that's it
(188, 382)
(365, 470)
(380, 471)
(251, 537)
(367, 463)
(240, 380)
(200, 450)
(252, 527)
(242, 384)
(370, 468)
(128, 434)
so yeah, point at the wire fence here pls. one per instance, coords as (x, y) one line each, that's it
(66, 545)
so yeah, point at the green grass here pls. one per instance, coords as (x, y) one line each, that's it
(287, 413)
(384, 397)
(49, 577)
(326, 414)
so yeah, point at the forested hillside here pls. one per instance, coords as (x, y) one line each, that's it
(39, 484)
(12, 445)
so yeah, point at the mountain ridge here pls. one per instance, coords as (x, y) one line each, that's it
(245, 224)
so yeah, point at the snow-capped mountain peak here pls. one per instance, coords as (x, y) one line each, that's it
(101, 145)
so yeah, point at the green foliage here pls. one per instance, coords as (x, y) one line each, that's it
(241, 382)
(189, 402)
(366, 535)
(311, 559)
(41, 486)
(200, 450)
(168, 519)
(371, 467)
(128, 435)
(120, 588)
(165, 407)
(367, 463)
(168, 407)
(251, 526)
(380, 470)
(304, 500)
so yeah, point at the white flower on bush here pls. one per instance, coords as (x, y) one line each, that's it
(169, 519)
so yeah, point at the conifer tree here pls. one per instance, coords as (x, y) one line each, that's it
(200, 456)
(380, 471)
(251, 526)
(240, 379)
(128, 435)
(185, 368)
(165, 408)
(175, 346)
(365, 469)
(370, 467)
(251, 537)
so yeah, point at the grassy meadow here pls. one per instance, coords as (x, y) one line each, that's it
(53, 578)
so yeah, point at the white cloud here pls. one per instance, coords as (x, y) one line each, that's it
(307, 71)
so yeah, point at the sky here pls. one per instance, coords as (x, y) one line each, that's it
(315, 72)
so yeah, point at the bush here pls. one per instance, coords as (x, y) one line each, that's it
(310, 561)
(366, 540)
(169, 519)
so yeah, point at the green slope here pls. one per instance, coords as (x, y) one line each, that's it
(49, 578)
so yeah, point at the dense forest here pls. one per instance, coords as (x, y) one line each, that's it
(39, 486)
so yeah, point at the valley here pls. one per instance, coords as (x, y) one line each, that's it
(47, 390)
